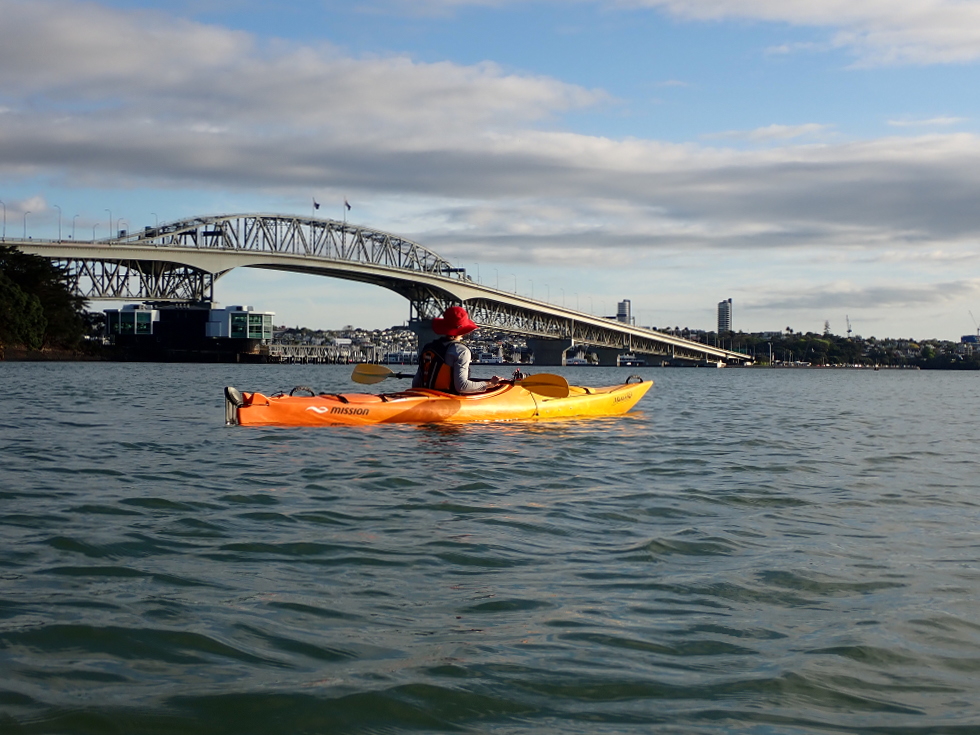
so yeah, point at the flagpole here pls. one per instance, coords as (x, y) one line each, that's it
(344, 230)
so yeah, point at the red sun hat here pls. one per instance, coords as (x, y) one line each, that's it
(454, 322)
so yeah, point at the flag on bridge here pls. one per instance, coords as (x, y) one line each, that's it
(316, 204)
(346, 204)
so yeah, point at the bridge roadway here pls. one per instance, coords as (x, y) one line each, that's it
(180, 261)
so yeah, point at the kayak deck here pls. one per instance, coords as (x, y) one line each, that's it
(508, 402)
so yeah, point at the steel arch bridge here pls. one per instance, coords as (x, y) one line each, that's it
(180, 261)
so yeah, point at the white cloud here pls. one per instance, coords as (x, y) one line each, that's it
(32, 205)
(168, 69)
(784, 49)
(943, 121)
(774, 132)
(851, 295)
(880, 32)
(102, 52)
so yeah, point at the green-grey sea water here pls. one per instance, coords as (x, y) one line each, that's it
(749, 551)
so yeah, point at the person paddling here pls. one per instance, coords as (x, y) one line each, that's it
(444, 364)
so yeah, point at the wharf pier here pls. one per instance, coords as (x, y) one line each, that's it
(318, 354)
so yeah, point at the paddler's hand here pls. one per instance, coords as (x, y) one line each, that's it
(494, 381)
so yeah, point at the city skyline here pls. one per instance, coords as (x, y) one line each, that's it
(815, 161)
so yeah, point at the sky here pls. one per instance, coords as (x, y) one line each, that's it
(816, 161)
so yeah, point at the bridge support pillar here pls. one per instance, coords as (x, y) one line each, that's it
(423, 330)
(549, 351)
(608, 356)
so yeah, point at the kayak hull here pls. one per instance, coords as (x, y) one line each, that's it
(423, 406)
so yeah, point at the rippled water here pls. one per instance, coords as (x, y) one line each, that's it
(751, 551)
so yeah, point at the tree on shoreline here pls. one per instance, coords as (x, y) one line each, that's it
(22, 319)
(37, 306)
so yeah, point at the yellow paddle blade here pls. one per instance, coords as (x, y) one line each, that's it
(369, 374)
(545, 384)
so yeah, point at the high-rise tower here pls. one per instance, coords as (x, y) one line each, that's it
(724, 316)
(624, 312)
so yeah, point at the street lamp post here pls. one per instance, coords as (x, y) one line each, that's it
(25, 224)
(515, 282)
(73, 226)
(59, 220)
(4, 220)
(93, 231)
(110, 223)
(156, 220)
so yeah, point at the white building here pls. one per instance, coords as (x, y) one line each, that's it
(131, 319)
(240, 322)
(724, 316)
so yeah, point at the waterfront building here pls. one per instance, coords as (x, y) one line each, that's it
(192, 331)
(239, 322)
(132, 319)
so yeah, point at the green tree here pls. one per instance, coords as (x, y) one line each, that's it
(38, 277)
(22, 319)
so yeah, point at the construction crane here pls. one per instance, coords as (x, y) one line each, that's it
(848, 320)
(975, 323)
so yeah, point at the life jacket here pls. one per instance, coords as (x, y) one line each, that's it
(436, 374)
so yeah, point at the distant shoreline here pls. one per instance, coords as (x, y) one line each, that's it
(23, 354)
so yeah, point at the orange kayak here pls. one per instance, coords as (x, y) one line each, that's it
(508, 402)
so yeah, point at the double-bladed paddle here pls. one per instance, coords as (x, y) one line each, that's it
(543, 384)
